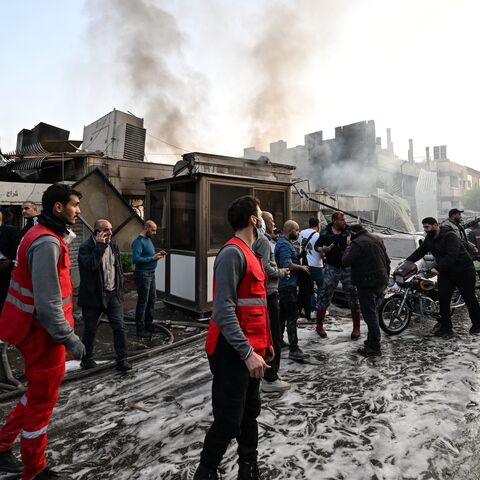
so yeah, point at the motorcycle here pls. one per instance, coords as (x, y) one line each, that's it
(414, 293)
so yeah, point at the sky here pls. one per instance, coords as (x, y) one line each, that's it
(221, 75)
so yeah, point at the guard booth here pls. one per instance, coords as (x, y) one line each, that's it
(190, 211)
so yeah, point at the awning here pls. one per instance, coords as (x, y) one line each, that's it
(31, 164)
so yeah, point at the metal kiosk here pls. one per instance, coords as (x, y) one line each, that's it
(191, 215)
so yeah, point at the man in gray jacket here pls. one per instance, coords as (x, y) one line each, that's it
(455, 222)
(271, 382)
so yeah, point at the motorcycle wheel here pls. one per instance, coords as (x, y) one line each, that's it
(392, 322)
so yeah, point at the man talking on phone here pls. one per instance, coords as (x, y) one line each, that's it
(145, 260)
(101, 290)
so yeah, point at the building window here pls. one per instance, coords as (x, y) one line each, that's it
(158, 213)
(221, 196)
(182, 207)
(273, 202)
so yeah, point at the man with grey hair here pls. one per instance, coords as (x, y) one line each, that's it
(271, 381)
(101, 290)
(29, 213)
(145, 259)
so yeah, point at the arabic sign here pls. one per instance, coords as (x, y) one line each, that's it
(12, 193)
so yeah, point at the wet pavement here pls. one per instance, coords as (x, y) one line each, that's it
(413, 413)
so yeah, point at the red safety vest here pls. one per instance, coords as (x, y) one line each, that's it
(251, 307)
(18, 310)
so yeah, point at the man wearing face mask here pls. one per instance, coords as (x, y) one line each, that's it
(454, 268)
(286, 257)
(271, 381)
(238, 345)
(37, 318)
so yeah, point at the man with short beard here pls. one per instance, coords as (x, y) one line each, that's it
(37, 318)
(145, 260)
(286, 257)
(454, 268)
(331, 244)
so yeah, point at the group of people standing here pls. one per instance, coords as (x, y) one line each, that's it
(37, 312)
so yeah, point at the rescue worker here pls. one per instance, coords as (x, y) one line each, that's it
(331, 244)
(370, 264)
(37, 318)
(238, 345)
(454, 268)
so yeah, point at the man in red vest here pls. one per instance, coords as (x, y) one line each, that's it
(37, 319)
(238, 345)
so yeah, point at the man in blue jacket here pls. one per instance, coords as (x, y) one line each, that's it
(145, 259)
(286, 257)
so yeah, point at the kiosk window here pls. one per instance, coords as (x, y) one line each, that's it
(273, 202)
(221, 196)
(182, 201)
(158, 213)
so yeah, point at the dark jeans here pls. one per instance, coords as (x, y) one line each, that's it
(236, 406)
(317, 278)
(465, 282)
(274, 315)
(114, 312)
(147, 294)
(289, 314)
(370, 300)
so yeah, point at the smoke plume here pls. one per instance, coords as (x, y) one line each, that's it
(147, 45)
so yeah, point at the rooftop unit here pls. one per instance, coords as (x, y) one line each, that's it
(117, 135)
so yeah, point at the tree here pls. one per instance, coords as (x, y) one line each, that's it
(472, 199)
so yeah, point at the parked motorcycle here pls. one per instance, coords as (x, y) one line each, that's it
(415, 293)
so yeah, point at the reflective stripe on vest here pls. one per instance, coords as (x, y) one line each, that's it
(25, 307)
(251, 305)
(35, 433)
(21, 290)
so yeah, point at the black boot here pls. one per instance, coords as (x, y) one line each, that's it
(9, 463)
(248, 471)
(49, 474)
(203, 473)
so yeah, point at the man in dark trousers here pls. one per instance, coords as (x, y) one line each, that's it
(145, 260)
(238, 345)
(286, 257)
(454, 267)
(370, 264)
(331, 244)
(37, 318)
(101, 290)
(8, 250)
(271, 381)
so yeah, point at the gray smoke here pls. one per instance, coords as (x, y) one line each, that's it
(147, 45)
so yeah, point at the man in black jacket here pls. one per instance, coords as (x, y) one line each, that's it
(370, 264)
(101, 290)
(454, 267)
(331, 245)
(8, 244)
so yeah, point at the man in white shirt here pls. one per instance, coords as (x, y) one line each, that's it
(307, 240)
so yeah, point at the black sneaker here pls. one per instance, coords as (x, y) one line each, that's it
(203, 473)
(10, 463)
(153, 328)
(123, 366)
(296, 355)
(88, 363)
(443, 332)
(49, 474)
(475, 330)
(143, 334)
(248, 471)
(369, 352)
